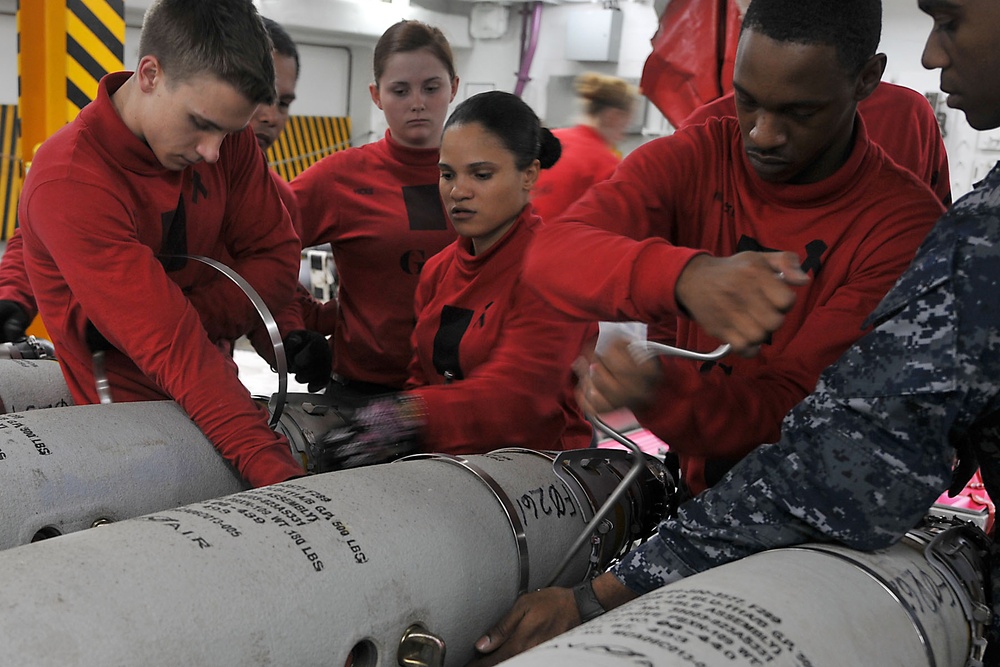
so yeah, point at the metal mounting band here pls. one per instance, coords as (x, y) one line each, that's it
(281, 366)
(508, 506)
(918, 626)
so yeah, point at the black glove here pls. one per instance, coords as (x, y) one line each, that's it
(96, 342)
(13, 321)
(309, 358)
(382, 431)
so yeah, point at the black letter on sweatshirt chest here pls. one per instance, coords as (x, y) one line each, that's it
(174, 239)
(814, 252)
(197, 188)
(454, 323)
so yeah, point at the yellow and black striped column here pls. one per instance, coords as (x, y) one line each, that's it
(11, 172)
(95, 45)
(64, 48)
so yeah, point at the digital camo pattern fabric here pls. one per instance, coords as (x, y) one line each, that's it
(863, 458)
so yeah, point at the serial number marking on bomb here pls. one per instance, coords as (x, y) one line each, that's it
(921, 591)
(546, 501)
(229, 528)
(294, 506)
(289, 501)
(293, 512)
(229, 506)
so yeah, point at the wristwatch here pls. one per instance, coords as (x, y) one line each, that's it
(586, 601)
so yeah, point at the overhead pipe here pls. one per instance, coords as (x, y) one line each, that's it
(531, 26)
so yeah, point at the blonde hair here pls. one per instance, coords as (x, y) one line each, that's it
(602, 91)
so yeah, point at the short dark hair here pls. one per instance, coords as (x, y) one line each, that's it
(282, 41)
(852, 27)
(225, 38)
(513, 122)
(406, 36)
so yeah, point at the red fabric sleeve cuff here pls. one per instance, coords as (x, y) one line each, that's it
(272, 465)
(654, 278)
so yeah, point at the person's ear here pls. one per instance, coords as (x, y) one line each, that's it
(870, 76)
(530, 175)
(454, 89)
(376, 96)
(148, 73)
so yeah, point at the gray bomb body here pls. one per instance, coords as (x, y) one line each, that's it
(31, 384)
(68, 469)
(811, 606)
(305, 572)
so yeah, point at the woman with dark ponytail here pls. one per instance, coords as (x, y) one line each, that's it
(492, 362)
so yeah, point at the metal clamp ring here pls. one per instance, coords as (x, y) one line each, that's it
(272, 329)
(508, 506)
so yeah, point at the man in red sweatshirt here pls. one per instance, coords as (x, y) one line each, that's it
(795, 172)
(162, 165)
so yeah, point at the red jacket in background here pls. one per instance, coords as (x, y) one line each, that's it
(14, 285)
(586, 159)
(379, 207)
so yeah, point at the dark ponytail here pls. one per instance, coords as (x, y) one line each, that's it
(513, 122)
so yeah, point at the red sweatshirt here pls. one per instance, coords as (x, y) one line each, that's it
(99, 213)
(855, 231)
(378, 206)
(899, 119)
(586, 159)
(14, 285)
(507, 352)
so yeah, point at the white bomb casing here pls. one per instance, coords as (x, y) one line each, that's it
(69, 469)
(32, 384)
(312, 571)
(920, 603)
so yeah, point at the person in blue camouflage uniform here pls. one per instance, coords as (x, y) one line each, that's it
(863, 458)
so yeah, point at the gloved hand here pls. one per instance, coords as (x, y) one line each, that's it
(96, 342)
(309, 358)
(382, 431)
(13, 321)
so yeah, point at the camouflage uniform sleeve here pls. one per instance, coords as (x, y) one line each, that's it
(863, 458)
